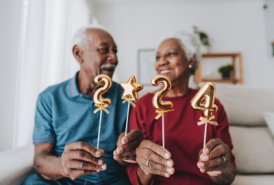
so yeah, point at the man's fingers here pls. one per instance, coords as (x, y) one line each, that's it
(129, 146)
(82, 165)
(131, 136)
(156, 148)
(81, 145)
(74, 174)
(84, 156)
(211, 144)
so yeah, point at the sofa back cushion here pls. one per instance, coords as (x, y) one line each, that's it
(253, 149)
(245, 105)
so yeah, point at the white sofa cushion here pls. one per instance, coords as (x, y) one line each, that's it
(253, 149)
(253, 180)
(269, 119)
(16, 165)
(245, 105)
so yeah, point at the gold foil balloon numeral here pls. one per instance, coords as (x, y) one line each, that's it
(157, 98)
(98, 99)
(161, 106)
(204, 100)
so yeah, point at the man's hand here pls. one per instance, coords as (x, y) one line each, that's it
(80, 158)
(154, 159)
(214, 158)
(126, 146)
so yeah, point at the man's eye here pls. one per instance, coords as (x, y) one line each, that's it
(158, 58)
(104, 50)
(115, 51)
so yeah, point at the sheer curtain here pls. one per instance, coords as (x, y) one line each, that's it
(46, 56)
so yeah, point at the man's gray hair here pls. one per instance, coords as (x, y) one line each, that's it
(81, 38)
(189, 43)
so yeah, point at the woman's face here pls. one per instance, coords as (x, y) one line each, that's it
(171, 60)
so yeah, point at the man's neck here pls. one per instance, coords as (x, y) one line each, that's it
(86, 84)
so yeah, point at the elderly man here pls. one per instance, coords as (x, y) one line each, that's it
(65, 131)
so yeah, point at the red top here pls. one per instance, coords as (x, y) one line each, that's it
(183, 137)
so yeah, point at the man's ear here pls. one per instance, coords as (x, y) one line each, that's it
(77, 52)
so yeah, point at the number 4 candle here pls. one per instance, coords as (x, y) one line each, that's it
(204, 101)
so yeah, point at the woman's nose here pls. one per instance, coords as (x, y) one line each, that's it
(163, 61)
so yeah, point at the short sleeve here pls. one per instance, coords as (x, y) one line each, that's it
(43, 130)
(222, 131)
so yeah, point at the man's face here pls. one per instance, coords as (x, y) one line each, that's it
(99, 55)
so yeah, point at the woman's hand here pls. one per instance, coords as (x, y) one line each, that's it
(154, 159)
(214, 158)
(126, 146)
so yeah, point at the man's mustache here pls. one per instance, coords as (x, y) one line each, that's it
(108, 66)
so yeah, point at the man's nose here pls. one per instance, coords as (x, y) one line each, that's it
(112, 57)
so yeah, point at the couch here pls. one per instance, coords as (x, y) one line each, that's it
(253, 142)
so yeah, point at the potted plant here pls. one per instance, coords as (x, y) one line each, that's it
(225, 70)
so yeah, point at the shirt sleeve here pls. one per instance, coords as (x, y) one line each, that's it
(136, 122)
(222, 131)
(43, 130)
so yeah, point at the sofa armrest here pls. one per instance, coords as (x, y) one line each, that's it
(16, 165)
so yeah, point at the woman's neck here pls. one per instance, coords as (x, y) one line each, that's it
(179, 88)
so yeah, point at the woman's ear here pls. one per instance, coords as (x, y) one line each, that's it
(77, 52)
(192, 62)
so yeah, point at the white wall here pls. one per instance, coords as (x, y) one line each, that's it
(9, 33)
(269, 13)
(237, 26)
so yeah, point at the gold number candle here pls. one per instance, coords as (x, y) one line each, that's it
(99, 101)
(204, 101)
(161, 106)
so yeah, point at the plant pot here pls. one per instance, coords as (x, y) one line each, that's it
(226, 74)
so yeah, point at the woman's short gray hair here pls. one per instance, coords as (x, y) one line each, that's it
(189, 43)
(81, 38)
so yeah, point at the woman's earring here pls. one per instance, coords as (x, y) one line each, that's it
(190, 66)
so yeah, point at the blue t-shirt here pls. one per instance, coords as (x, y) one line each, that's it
(63, 115)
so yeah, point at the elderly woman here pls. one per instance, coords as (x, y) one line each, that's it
(182, 161)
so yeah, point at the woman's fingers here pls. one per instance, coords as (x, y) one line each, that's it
(213, 162)
(156, 148)
(216, 152)
(156, 168)
(154, 157)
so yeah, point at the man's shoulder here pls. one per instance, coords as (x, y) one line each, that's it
(54, 89)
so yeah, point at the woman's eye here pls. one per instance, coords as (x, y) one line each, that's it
(158, 58)
(171, 54)
(115, 51)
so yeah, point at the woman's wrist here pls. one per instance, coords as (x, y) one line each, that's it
(144, 178)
